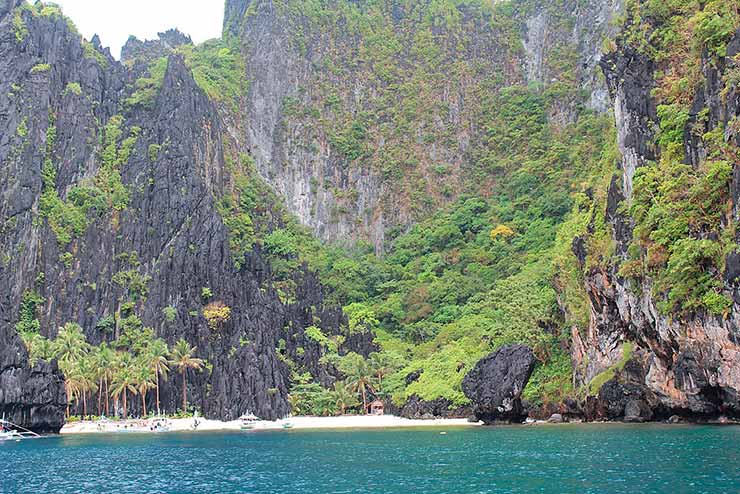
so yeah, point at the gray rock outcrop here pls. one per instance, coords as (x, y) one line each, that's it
(494, 386)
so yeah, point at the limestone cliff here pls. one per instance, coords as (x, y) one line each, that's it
(367, 116)
(662, 362)
(107, 210)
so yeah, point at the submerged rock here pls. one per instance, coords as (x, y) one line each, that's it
(495, 384)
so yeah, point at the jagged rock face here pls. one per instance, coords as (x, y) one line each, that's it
(589, 23)
(495, 384)
(31, 397)
(151, 49)
(629, 76)
(169, 233)
(690, 365)
(291, 63)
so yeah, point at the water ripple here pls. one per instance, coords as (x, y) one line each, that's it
(598, 459)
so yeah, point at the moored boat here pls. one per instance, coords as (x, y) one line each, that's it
(13, 432)
(248, 422)
(160, 425)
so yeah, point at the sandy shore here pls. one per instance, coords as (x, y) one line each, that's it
(296, 423)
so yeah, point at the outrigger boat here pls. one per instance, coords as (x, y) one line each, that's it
(13, 432)
(248, 422)
(285, 423)
(160, 425)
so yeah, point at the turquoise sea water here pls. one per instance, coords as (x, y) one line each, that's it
(599, 459)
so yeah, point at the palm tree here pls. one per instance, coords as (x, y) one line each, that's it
(39, 348)
(44, 348)
(382, 365)
(71, 348)
(144, 381)
(72, 384)
(359, 376)
(86, 377)
(182, 359)
(156, 355)
(295, 403)
(343, 397)
(123, 379)
(105, 357)
(71, 344)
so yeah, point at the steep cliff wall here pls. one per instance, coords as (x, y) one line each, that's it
(108, 213)
(664, 337)
(368, 116)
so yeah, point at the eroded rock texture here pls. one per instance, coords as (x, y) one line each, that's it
(494, 386)
(658, 365)
(169, 234)
(299, 132)
(30, 396)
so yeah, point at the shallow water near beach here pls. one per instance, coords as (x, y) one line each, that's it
(544, 459)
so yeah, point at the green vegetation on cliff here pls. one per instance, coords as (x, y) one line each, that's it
(498, 177)
(476, 275)
(487, 267)
(683, 225)
(103, 193)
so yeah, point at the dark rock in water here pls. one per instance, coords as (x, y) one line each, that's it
(623, 398)
(614, 396)
(31, 397)
(495, 384)
(416, 408)
(556, 418)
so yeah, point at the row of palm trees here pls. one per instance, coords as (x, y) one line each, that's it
(134, 365)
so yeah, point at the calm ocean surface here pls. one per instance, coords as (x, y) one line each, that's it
(550, 459)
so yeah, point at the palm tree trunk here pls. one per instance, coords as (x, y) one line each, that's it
(100, 396)
(84, 404)
(125, 415)
(364, 400)
(107, 398)
(156, 371)
(184, 393)
(143, 400)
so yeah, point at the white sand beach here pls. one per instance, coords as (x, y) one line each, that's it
(201, 424)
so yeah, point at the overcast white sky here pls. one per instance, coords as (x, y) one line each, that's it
(115, 20)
